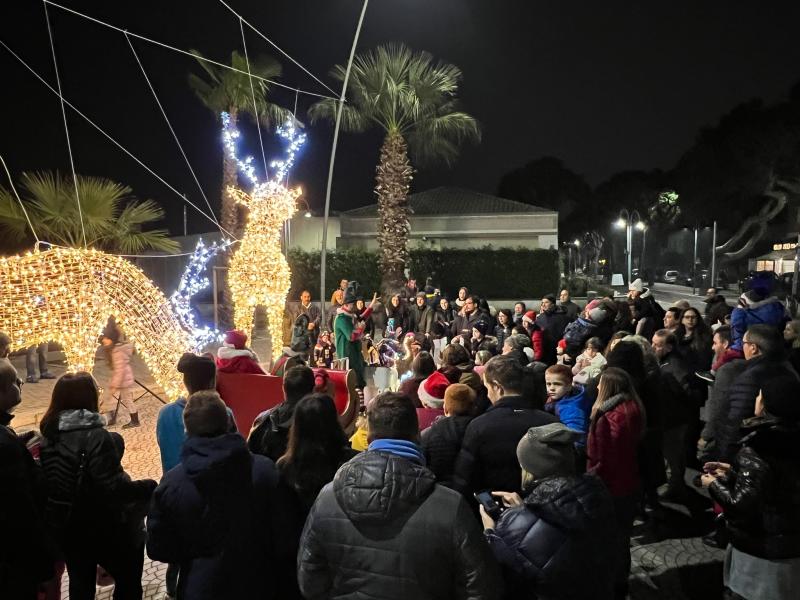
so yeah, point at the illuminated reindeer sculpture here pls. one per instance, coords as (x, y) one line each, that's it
(66, 295)
(258, 274)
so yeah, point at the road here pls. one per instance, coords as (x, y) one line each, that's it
(667, 294)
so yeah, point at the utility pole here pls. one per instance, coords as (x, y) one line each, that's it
(714, 256)
(694, 262)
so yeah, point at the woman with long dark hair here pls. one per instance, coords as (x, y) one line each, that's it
(397, 310)
(504, 327)
(694, 340)
(616, 428)
(94, 510)
(317, 448)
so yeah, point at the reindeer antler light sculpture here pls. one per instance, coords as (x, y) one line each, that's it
(258, 273)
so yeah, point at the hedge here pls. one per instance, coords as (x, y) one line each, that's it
(490, 272)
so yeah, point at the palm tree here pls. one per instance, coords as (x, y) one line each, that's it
(413, 100)
(113, 218)
(224, 90)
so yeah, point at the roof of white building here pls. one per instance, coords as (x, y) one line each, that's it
(454, 201)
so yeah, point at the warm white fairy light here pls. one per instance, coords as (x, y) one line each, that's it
(66, 295)
(258, 274)
(192, 282)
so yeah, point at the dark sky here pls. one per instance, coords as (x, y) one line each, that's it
(606, 86)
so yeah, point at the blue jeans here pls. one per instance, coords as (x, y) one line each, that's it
(30, 359)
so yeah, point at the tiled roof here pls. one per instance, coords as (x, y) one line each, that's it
(453, 201)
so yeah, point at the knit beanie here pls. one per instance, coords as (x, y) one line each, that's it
(636, 286)
(548, 450)
(431, 391)
(779, 394)
(482, 327)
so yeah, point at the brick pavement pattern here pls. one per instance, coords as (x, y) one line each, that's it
(669, 560)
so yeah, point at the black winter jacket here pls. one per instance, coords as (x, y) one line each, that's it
(211, 514)
(676, 379)
(384, 529)
(560, 543)
(420, 320)
(488, 456)
(463, 324)
(761, 495)
(26, 556)
(104, 497)
(441, 443)
(554, 323)
(739, 405)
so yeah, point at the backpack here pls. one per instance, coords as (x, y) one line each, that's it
(59, 509)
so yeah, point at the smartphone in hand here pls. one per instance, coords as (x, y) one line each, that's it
(492, 507)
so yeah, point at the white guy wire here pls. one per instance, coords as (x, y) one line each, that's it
(21, 204)
(111, 139)
(66, 127)
(180, 51)
(274, 45)
(255, 106)
(174, 135)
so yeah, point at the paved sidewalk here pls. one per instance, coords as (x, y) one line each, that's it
(669, 561)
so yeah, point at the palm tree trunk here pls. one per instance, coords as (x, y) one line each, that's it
(393, 181)
(229, 213)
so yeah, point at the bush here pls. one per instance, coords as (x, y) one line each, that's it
(350, 263)
(489, 272)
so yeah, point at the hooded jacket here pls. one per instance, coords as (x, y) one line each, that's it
(441, 443)
(573, 411)
(384, 529)
(768, 311)
(554, 322)
(121, 371)
(564, 523)
(716, 309)
(211, 514)
(761, 495)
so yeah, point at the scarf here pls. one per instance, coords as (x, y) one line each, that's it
(401, 448)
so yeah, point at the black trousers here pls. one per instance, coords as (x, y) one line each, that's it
(120, 555)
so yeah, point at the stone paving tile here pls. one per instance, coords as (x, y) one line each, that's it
(669, 561)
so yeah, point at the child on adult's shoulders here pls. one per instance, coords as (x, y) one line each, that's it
(235, 357)
(568, 401)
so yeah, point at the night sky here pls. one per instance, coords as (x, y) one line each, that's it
(605, 86)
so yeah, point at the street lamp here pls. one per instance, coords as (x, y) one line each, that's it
(629, 220)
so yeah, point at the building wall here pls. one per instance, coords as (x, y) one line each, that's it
(306, 233)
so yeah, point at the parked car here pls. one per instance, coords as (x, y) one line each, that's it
(671, 277)
(703, 279)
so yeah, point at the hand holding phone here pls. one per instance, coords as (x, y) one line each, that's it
(492, 507)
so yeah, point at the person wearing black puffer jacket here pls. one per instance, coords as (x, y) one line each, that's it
(566, 521)
(763, 349)
(385, 529)
(213, 513)
(760, 495)
(94, 510)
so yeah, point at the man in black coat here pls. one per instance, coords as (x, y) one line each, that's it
(211, 514)
(385, 529)
(488, 459)
(420, 315)
(465, 320)
(763, 352)
(26, 556)
(553, 319)
(716, 307)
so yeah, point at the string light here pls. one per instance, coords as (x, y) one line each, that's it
(258, 274)
(193, 281)
(66, 295)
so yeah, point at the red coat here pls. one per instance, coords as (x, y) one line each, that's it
(230, 360)
(613, 444)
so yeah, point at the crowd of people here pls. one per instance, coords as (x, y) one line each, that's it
(511, 462)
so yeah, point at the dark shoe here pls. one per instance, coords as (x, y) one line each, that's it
(134, 421)
(47, 375)
(111, 419)
(716, 539)
(31, 379)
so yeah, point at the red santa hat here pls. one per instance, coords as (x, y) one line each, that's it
(431, 390)
(235, 339)
(529, 317)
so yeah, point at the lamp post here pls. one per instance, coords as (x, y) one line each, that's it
(577, 244)
(629, 220)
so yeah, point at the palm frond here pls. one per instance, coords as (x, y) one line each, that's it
(12, 220)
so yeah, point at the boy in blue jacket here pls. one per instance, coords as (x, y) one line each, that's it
(568, 401)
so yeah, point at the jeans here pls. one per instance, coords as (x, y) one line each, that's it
(122, 558)
(674, 446)
(30, 359)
